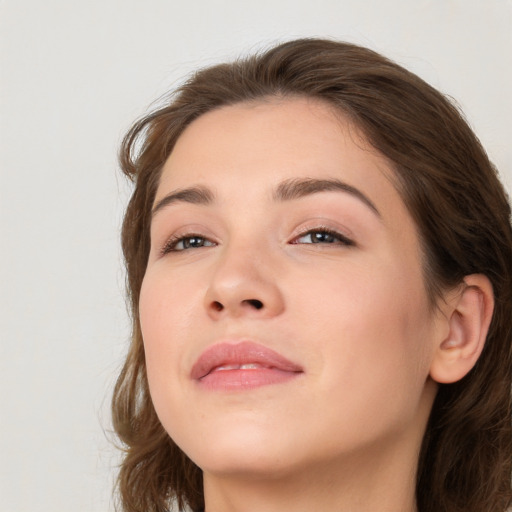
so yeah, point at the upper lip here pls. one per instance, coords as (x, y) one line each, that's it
(245, 352)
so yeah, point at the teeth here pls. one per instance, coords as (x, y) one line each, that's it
(248, 366)
(228, 367)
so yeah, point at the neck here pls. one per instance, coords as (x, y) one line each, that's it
(379, 477)
(361, 483)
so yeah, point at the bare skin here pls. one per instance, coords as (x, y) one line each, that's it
(328, 275)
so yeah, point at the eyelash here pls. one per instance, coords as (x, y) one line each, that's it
(340, 239)
(174, 241)
(171, 244)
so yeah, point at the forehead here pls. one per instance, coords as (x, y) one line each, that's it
(248, 148)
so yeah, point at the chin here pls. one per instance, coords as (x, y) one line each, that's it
(240, 450)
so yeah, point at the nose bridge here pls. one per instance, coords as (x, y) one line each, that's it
(243, 281)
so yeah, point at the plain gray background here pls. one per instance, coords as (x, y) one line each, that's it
(74, 75)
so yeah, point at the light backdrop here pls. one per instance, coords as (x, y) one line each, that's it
(73, 77)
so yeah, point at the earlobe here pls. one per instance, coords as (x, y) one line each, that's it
(469, 316)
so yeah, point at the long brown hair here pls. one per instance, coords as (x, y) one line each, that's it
(463, 214)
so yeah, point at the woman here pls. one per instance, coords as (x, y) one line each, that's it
(319, 259)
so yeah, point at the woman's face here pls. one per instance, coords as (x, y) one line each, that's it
(283, 310)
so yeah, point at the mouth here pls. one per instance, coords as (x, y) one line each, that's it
(242, 366)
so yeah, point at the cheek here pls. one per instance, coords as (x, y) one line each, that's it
(372, 330)
(166, 322)
(167, 308)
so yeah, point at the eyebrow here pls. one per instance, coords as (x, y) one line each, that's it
(296, 188)
(288, 190)
(193, 195)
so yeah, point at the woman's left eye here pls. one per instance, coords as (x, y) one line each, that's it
(322, 236)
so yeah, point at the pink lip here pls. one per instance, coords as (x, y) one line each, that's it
(217, 367)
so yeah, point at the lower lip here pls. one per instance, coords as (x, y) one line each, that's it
(241, 380)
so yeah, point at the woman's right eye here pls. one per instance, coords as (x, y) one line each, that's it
(185, 242)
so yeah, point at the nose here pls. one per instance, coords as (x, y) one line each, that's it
(243, 283)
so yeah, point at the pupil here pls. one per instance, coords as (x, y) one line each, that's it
(322, 237)
(194, 242)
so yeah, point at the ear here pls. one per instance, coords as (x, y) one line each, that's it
(469, 316)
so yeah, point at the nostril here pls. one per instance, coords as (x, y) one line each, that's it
(217, 305)
(257, 304)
